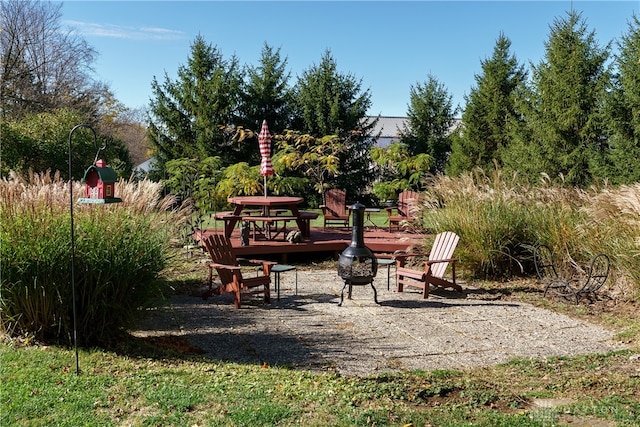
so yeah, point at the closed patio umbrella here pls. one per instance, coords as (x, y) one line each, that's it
(264, 140)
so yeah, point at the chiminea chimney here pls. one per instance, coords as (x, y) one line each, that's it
(357, 265)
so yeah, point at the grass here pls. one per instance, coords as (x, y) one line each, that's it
(41, 388)
(119, 251)
(150, 381)
(500, 219)
(161, 382)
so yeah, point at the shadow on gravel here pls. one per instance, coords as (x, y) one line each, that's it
(434, 304)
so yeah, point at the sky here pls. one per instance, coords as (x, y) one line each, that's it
(388, 46)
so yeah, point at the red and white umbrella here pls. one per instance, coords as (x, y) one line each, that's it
(264, 140)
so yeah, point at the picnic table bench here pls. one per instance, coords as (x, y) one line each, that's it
(229, 220)
(269, 228)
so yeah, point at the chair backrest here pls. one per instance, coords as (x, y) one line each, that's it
(408, 202)
(543, 260)
(220, 250)
(336, 201)
(443, 246)
(598, 273)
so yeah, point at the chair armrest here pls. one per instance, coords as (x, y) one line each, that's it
(409, 255)
(261, 261)
(256, 261)
(401, 259)
(224, 266)
(266, 265)
(435, 261)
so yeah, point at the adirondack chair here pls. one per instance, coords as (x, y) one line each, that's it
(226, 265)
(404, 212)
(570, 285)
(335, 210)
(434, 268)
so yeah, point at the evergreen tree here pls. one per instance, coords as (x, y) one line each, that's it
(489, 106)
(186, 114)
(267, 95)
(331, 103)
(431, 117)
(623, 112)
(563, 128)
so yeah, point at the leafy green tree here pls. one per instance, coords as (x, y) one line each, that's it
(563, 125)
(317, 159)
(623, 111)
(197, 181)
(332, 103)
(40, 142)
(266, 95)
(431, 117)
(240, 179)
(185, 114)
(489, 107)
(398, 171)
(46, 89)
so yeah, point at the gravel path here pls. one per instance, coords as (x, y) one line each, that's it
(309, 331)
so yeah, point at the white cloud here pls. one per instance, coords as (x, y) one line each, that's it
(124, 32)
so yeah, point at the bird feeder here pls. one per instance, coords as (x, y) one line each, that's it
(100, 181)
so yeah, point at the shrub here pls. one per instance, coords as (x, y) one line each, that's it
(500, 220)
(119, 251)
(489, 215)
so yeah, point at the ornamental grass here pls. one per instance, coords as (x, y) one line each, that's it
(119, 251)
(500, 220)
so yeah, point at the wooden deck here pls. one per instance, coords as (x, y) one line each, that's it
(330, 242)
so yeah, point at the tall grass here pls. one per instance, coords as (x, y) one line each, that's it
(500, 219)
(119, 251)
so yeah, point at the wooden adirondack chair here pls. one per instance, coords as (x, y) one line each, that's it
(226, 265)
(434, 268)
(335, 210)
(404, 212)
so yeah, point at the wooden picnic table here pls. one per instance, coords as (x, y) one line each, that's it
(271, 208)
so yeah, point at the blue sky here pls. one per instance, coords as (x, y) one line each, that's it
(388, 45)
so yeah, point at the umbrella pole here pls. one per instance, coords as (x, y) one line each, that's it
(265, 186)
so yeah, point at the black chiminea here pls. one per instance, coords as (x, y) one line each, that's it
(357, 265)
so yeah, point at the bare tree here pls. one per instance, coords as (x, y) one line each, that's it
(127, 125)
(43, 65)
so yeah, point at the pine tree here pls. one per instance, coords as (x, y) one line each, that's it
(331, 103)
(267, 95)
(489, 106)
(431, 117)
(563, 127)
(186, 114)
(623, 112)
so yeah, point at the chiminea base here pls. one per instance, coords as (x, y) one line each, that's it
(350, 285)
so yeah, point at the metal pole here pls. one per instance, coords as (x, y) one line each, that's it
(73, 246)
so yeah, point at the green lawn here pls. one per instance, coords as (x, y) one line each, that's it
(151, 386)
(144, 382)
(379, 218)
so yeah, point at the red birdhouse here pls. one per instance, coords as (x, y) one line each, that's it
(100, 181)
